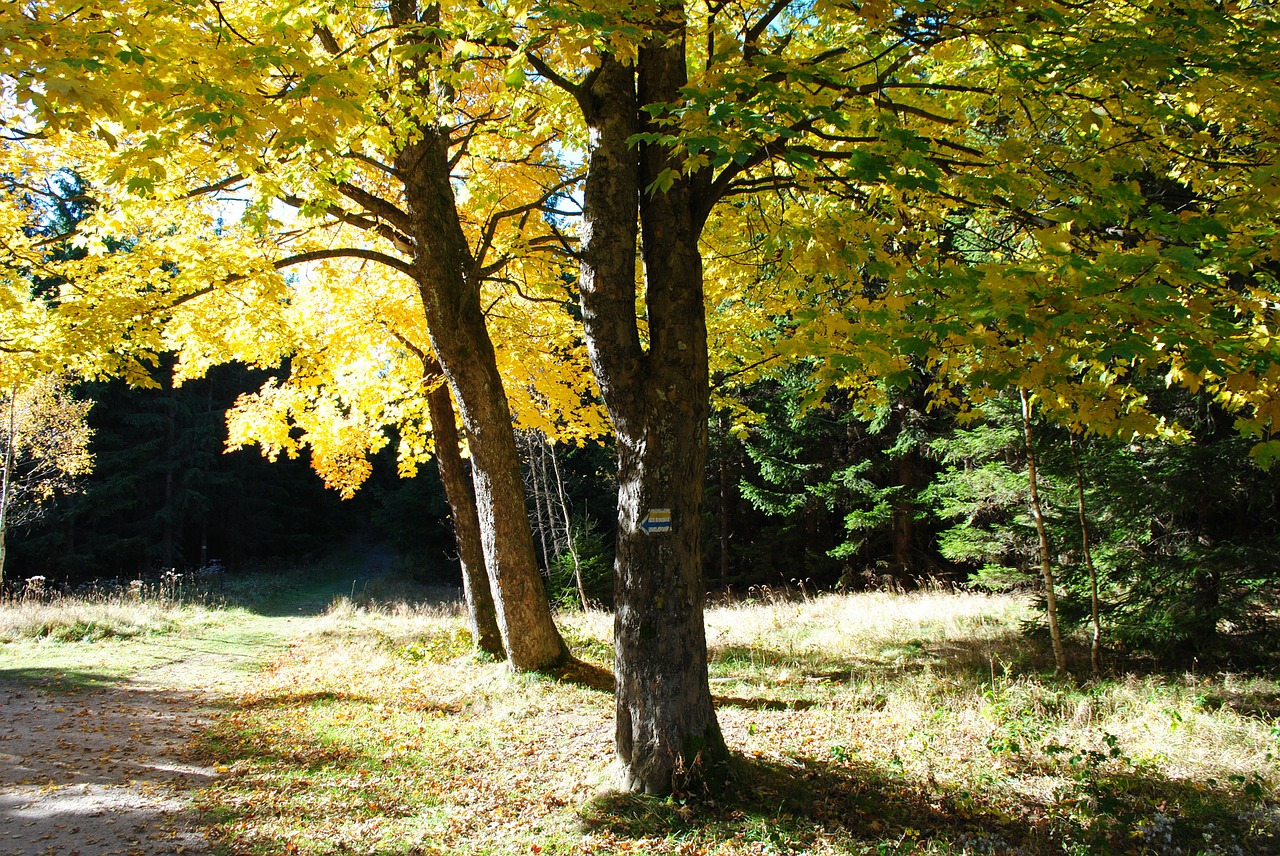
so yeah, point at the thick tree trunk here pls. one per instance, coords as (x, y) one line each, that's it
(449, 281)
(658, 402)
(666, 725)
(466, 522)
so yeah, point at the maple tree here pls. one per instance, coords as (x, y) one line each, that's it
(178, 106)
(977, 196)
(45, 442)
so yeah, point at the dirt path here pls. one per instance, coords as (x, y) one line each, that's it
(101, 773)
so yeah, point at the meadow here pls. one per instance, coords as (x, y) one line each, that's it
(875, 723)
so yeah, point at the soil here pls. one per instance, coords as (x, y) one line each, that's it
(105, 772)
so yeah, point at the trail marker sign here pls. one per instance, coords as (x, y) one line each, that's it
(657, 520)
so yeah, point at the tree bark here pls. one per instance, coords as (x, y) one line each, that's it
(728, 495)
(461, 496)
(658, 402)
(1095, 648)
(449, 286)
(460, 340)
(535, 489)
(904, 520)
(1046, 567)
(6, 480)
(568, 530)
(168, 512)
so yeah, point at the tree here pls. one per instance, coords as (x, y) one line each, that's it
(376, 159)
(45, 448)
(895, 144)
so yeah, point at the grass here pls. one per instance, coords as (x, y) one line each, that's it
(862, 724)
(93, 640)
(921, 724)
(109, 634)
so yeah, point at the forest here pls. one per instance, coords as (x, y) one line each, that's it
(624, 309)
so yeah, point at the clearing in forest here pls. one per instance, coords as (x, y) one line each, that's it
(875, 723)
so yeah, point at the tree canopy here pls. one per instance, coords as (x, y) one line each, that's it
(969, 197)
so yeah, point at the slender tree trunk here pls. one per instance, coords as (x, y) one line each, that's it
(169, 513)
(544, 482)
(658, 402)
(466, 522)
(449, 281)
(904, 519)
(543, 521)
(568, 530)
(6, 481)
(1095, 648)
(1046, 567)
(726, 534)
(727, 498)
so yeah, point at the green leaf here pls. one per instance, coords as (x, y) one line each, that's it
(663, 182)
(515, 77)
(1266, 453)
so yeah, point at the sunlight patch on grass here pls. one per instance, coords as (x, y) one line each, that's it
(879, 723)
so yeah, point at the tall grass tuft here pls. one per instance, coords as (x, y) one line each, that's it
(92, 617)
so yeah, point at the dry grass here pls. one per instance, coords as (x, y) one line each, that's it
(93, 618)
(879, 723)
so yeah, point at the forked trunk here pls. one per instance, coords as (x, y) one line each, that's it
(658, 402)
(524, 615)
(449, 281)
(466, 523)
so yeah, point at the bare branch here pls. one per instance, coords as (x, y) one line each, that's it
(327, 41)
(347, 253)
(386, 169)
(545, 70)
(217, 5)
(753, 33)
(217, 186)
(401, 241)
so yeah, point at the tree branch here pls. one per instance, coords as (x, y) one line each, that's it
(377, 206)
(401, 241)
(347, 253)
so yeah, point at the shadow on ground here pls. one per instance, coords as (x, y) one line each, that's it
(56, 680)
(791, 804)
(100, 770)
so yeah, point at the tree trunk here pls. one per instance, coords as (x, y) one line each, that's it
(728, 495)
(568, 530)
(904, 520)
(168, 512)
(1046, 568)
(6, 481)
(449, 280)
(535, 490)
(658, 402)
(1095, 648)
(466, 522)
(460, 340)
